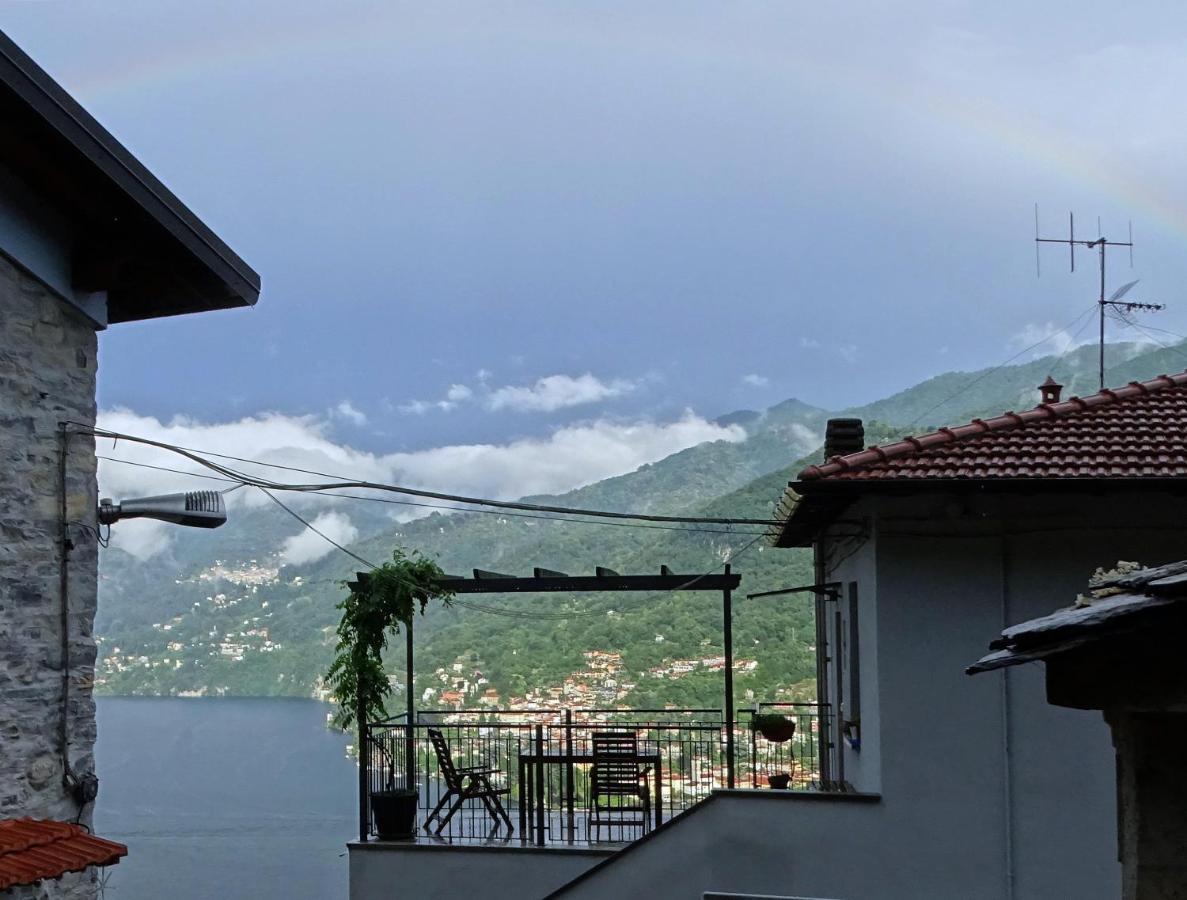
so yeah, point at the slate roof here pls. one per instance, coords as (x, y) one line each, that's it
(1136, 431)
(32, 850)
(1121, 604)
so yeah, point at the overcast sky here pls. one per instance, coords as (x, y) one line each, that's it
(486, 223)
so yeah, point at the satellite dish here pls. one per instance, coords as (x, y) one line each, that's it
(1122, 291)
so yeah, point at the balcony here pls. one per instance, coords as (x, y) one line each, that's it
(542, 759)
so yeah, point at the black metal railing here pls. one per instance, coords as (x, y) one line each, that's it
(803, 759)
(541, 760)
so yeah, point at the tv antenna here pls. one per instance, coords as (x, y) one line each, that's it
(1114, 303)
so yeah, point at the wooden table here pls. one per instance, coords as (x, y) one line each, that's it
(531, 785)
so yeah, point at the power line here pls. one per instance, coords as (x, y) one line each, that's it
(459, 509)
(501, 610)
(1167, 347)
(312, 528)
(345, 482)
(998, 367)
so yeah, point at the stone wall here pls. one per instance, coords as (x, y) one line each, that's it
(47, 375)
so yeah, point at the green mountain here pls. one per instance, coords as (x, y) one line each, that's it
(246, 625)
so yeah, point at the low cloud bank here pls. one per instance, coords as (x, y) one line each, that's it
(566, 458)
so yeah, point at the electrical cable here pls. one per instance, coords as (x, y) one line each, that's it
(998, 367)
(1164, 346)
(461, 509)
(345, 482)
(502, 610)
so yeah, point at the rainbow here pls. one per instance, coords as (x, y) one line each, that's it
(241, 51)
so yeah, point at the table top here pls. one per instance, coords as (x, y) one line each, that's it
(560, 756)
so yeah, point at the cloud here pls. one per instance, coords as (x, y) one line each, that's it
(555, 392)
(547, 394)
(457, 393)
(347, 410)
(307, 546)
(756, 380)
(561, 460)
(808, 343)
(847, 352)
(1047, 338)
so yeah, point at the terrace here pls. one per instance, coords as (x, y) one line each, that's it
(538, 765)
(544, 759)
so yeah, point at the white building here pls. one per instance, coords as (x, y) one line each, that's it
(970, 788)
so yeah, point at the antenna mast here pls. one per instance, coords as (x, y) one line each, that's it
(1101, 245)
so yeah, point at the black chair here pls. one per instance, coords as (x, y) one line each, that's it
(465, 783)
(620, 790)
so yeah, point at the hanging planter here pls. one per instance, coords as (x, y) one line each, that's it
(774, 727)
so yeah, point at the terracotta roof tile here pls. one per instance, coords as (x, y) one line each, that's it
(34, 849)
(1136, 431)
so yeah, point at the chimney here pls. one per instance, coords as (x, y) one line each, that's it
(1049, 390)
(843, 436)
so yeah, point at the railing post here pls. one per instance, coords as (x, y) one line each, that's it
(539, 785)
(409, 716)
(569, 772)
(364, 773)
(727, 614)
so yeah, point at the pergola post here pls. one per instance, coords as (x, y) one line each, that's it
(409, 713)
(364, 774)
(727, 624)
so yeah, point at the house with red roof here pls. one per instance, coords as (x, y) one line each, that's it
(951, 787)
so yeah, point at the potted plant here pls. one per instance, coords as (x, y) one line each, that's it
(779, 780)
(379, 602)
(774, 727)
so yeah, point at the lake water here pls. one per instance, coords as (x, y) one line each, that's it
(224, 798)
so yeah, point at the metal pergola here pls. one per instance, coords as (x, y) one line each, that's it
(548, 581)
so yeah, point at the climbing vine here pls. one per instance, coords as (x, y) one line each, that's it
(374, 609)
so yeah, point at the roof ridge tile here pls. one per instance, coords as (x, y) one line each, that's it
(1104, 404)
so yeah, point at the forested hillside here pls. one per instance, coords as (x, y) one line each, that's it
(246, 625)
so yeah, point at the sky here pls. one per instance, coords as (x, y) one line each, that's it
(491, 233)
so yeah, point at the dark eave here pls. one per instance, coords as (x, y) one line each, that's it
(808, 507)
(137, 242)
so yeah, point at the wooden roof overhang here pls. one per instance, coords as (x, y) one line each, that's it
(133, 240)
(548, 581)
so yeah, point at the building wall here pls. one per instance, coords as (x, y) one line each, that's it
(1021, 791)
(391, 869)
(986, 791)
(47, 375)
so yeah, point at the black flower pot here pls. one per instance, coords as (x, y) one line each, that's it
(779, 782)
(394, 814)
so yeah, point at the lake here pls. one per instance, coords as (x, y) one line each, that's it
(225, 798)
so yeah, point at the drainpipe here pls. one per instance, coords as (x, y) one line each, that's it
(1007, 782)
(64, 548)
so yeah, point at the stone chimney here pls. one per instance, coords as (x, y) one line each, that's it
(1049, 390)
(843, 436)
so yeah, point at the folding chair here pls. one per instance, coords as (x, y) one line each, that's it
(465, 783)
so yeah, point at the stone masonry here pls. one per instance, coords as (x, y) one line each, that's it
(47, 375)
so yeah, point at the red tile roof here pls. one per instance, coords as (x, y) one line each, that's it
(33, 849)
(1136, 431)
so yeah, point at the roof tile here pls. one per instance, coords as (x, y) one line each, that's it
(35, 849)
(1135, 431)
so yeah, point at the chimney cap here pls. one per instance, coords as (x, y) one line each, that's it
(843, 436)
(1050, 390)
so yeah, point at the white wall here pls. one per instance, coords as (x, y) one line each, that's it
(381, 869)
(1022, 791)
